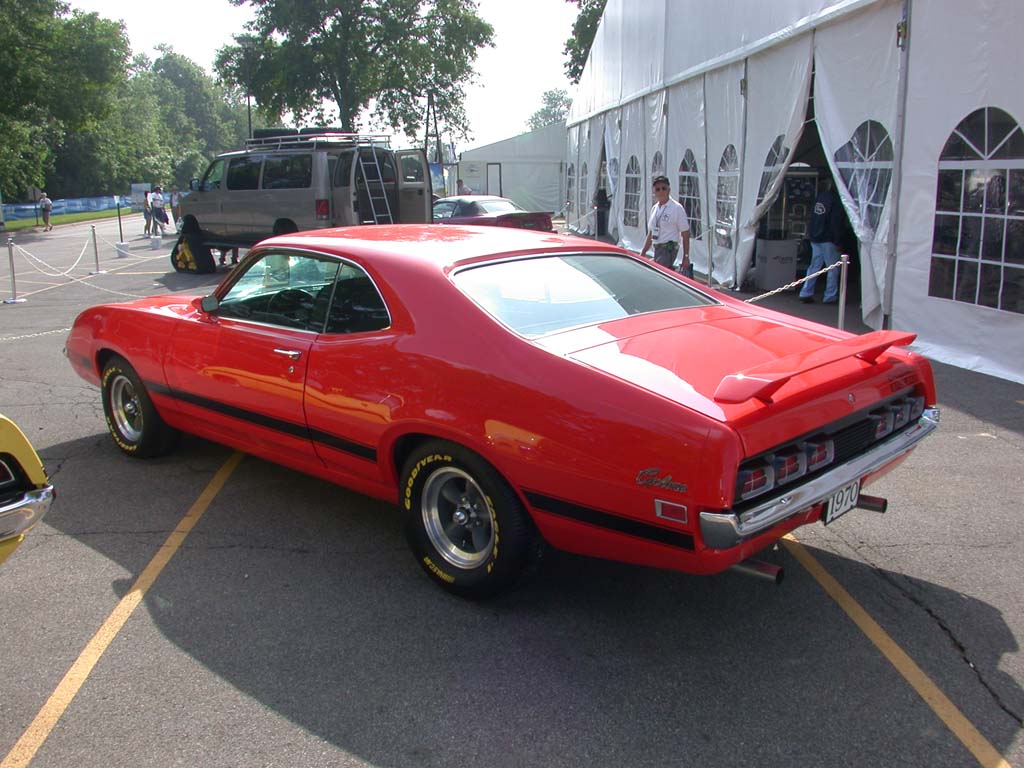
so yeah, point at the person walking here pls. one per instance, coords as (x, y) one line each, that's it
(46, 208)
(668, 228)
(463, 188)
(156, 204)
(825, 232)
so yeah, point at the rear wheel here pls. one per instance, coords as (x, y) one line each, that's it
(131, 417)
(465, 525)
(190, 252)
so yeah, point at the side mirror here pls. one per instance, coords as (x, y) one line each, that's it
(209, 304)
(194, 185)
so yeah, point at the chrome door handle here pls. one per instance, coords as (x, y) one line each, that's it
(291, 354)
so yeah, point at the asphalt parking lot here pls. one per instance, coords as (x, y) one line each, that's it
(291, 627)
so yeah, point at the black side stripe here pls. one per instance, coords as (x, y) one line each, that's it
(279, 425)
(612, 522)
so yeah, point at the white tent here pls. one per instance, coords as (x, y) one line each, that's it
(919, 127)
(527, 169)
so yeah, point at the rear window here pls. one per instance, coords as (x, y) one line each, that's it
(288, 172)
(543, 295)
(498, 206)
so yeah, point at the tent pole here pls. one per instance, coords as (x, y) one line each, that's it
(903, 41)
(709, 232)
(739, 183)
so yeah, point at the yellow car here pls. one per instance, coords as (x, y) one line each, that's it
(25, 493)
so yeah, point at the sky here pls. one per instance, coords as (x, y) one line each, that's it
(527, 59)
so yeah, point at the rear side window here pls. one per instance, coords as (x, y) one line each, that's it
(288, 172)
(356, 306)
(244, 172)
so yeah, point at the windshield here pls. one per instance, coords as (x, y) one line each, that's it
(542, 295)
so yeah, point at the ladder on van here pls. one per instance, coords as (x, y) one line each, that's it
(373, 181)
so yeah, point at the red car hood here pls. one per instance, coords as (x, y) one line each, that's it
(724, 363)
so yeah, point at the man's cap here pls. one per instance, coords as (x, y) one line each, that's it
(660, 180)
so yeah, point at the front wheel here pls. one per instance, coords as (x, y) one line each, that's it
(131, 416)
(466, 527)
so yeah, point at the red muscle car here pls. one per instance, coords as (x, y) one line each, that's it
(506, 387)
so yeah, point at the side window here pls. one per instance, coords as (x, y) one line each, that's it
(343, 174)
(357, 306)
(466, 209)
(288, 172)
(444, 210)
(412, 168)
(214, 176)
(288, 290)
(244, 172)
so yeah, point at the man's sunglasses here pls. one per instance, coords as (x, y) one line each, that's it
(661, 188)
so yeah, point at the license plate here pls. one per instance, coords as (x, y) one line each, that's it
(841, 502)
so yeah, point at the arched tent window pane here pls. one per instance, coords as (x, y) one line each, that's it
(978, 237)
(570, 192)
(726, 197)
(865, 165)
(773, 165)
(583, 206)
(658, 165)
(689, 194)
(631, 200)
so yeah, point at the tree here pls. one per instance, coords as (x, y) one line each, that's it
(577, 47)
(555, 109)
(384, 56)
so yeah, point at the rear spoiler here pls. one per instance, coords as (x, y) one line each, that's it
(762, 381)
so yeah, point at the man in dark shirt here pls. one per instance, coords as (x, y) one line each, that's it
(825, 233)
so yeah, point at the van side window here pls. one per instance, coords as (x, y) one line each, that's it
(288, 172)
(214, 176)
(356, 307)
(412, 168)
(343, 176)
(244, 172)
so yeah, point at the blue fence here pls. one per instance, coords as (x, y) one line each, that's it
(16, 211)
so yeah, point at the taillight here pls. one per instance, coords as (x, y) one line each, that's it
(916, 408)
(789, 465)
(323, 209)
(884, 420)
(755, 480)
(820, 452)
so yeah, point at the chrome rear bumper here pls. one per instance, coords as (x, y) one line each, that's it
(722, 530)
(17, 516)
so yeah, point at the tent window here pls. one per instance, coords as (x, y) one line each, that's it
(689, 193)
(773, 165)
(570, 191)
(583, 207)
(631, 201)
(865, 165)
(726, 197)
(658, 165)
(978, 237)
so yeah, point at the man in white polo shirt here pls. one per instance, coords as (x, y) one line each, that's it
(667, 229)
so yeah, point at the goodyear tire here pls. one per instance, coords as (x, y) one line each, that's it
(131, 417)
(191, 254)
(466, 527)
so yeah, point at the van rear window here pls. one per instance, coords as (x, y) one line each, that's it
(288, 172)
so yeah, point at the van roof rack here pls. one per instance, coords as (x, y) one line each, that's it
(302, 138)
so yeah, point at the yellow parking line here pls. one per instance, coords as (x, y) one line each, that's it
(39, 729)
(983, 751)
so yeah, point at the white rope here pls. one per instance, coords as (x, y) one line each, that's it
(30, 258)
(795, 283)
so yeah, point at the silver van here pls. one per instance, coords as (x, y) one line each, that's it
(291, 181)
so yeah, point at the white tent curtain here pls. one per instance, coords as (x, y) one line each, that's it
(584, 181)
(855, 104)
(595, 147)
(654, 143)
(686, 161)
(612, 153)
(778, 81)
(633, 177)
(963, 173)
(724, 106)
(572, 174)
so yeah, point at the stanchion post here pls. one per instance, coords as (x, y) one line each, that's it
(95, 252)
(842, 289)
(120, 229)
(14, 286)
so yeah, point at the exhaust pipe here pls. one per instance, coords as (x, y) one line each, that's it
(761, 569)
(872, 503)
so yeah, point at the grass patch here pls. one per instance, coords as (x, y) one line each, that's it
(66, 218)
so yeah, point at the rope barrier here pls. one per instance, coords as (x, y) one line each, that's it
(34, 335)
(30, 258)
(795, 283)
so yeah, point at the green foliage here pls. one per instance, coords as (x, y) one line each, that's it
(577, 47)
(555, 109)
(342, 59)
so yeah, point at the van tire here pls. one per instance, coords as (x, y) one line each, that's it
(190, 252)
(284, 227)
